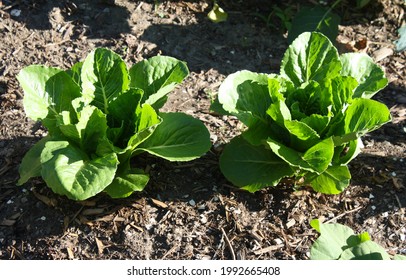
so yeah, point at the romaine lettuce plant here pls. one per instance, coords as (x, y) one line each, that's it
(100, 115)
(304, 123)
(339, 242)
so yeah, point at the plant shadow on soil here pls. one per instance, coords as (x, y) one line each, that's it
(96, 17)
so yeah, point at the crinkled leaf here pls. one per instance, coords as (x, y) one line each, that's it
(252, 167)
(347, 152)
(302, 136)
(371, 78)
(318, 19)
(279, 112)
(47, 91)
(76, 72)
(257, 132)
(331, 242)
(245, 94)
(133, 180)
(125, 107)
(317, 122)
(332, 181)
(69, 171)
(340, 90)
(320, 155)
(179, 137)
(147, 122)
(31, 164)
(315, 159)
(104, 77)
(311, 56)
(89, 131)
(157, 76)
(365, 115)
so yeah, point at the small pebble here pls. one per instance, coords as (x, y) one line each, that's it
(15, 12)
(373, 207)
(278, 241)
(43, 218)
(203, 219)
(371, 196)
(393, 174)
(192, 202)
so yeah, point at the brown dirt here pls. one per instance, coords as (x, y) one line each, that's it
(188, 210)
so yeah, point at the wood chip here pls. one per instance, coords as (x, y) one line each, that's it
(268, 249)
(7, 222)
(397, 182)
(88, 203)
(159, 203)
(136, 227)
(382, 53)
(291, 223)
(92, 211)
(70, 253)
(48, 201)
(100, 245)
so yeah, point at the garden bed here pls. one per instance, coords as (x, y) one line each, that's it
(189, 210)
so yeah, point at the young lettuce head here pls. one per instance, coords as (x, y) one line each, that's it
(99, 115)
(305, 122)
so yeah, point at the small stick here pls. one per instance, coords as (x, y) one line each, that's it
(228, 243)
(343, 214)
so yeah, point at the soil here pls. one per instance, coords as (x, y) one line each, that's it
(189, 210)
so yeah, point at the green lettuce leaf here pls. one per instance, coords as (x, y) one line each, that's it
(245, 94)
(315, 159)
(339, 242)
(31, 164)
(47, 91)
(178, 138)
(371, 78)
(104, 76)
(252, 167)
(157, 76)
(67, 170)
(311, 56)
(125, 184)
(332, 181)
